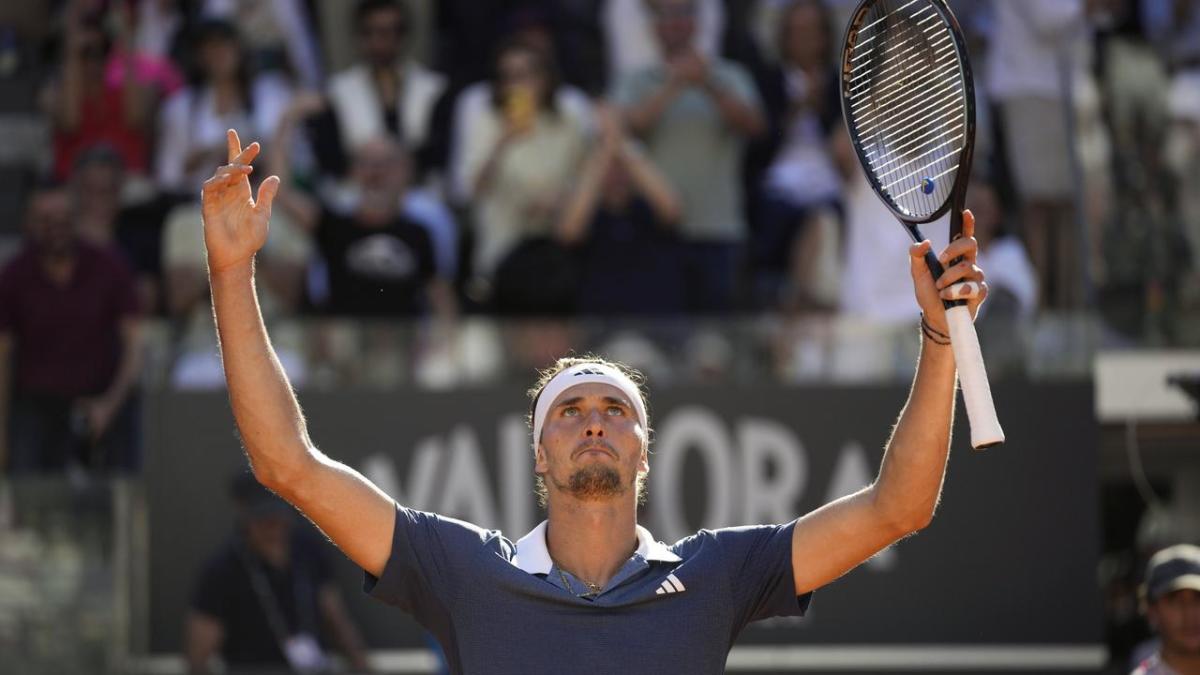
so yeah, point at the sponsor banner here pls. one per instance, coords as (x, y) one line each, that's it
(1009, 560)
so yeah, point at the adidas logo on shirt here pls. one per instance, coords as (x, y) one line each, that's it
(671, 585)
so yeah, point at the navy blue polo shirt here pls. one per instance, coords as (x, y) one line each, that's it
(499, 607)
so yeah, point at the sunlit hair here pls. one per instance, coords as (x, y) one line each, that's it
(544, 377)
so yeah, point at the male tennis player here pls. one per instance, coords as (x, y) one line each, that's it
(588, 590)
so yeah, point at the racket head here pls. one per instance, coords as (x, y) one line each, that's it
(908, 99)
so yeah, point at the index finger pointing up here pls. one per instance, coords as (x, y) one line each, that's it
(968, 225)
(235, 145)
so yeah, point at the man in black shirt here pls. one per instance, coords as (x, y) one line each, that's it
(266, 598)
(380, 262)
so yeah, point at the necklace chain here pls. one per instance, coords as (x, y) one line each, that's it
(592, 589)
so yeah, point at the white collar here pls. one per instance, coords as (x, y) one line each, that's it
(533, 556)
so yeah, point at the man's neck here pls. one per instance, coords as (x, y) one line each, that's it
(592, 540)
(1184, 663)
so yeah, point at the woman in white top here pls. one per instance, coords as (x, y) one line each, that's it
(223, 94)
(519, 157)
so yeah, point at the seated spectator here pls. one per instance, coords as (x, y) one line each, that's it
(106, 219)
(1034, 108)
(629, 30)
(223, 94)
(1170, 599)
(874, 282)
(69, 335)
(148, 31)
(1012, 281)
(798, 178)
(89, 108)
(695, 116)
(1004, 322)
(387, 92)
(267, 600)
(278, 34)
(621, 216)
(476, 104)
(378, 261)
(518, 157)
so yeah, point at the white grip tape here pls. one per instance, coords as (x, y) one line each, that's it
(981, 412)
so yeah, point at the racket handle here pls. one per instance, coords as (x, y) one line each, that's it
(981, 412)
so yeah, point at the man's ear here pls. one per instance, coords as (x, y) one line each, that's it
(539, 460)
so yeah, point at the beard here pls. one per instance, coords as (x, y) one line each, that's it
(593, 483)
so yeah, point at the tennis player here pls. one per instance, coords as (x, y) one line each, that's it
(588, 590)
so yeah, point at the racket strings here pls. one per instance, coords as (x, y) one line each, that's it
(906, 102)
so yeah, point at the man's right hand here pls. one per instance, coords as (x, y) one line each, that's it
(235, 224)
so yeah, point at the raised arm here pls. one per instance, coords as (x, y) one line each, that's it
(357, 516)
(839, 536)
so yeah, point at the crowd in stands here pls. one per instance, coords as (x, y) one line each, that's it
(582, 158)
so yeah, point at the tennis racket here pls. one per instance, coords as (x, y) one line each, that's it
(909, 103)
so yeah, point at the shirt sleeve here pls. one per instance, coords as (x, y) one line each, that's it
(429, 556)
(759, 562)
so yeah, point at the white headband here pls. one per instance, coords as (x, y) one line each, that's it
(584, 373)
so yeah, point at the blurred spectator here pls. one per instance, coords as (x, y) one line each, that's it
(470, 31)
(1039, 52)
(1005, 320)
(630, 28)
(150, 29)
(621, 216)
(1012, 281)
(875, 278)
(476, 104)
(1171, 601)
(157, 24)
(378, 260)
(278, 35)
(519, 156)
(133, 231)
(69, 329)
(223, 94)
(90, 107)
(387, 92)
(1182, 148)
(797, 172)
(267, 599)
(695, 116)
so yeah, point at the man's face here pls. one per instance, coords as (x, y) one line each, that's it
(49, 224)
(1176, 617)
(805, 39)
(268, 533)
(98, 187)
(220, 57)
(380, 168)
(383, 33)
(593, 446)
(674, 23)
